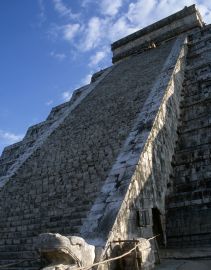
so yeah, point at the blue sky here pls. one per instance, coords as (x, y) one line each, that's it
(51, 47)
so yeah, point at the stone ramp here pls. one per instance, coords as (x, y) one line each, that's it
(189, 205)
(55, 187)
(134, 186)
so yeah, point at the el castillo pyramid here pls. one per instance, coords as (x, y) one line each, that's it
(128, 158)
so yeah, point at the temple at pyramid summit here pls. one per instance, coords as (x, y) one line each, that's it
(119, 177)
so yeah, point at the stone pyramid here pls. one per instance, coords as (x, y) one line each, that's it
(127, 157)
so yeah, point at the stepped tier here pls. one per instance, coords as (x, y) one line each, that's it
(56, 186)
(189, 204)
(127, 157)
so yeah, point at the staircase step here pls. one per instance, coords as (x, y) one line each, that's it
(189, 226)
(193, 186)
(194, 125)
(194, 138)
(192, 171)
(16, 248)
(195, 100)
(199, 88)
(189, 241)
(188, 207)
(187, 197)
(21, 255)
(19, 268)
(187, 253)
(80, 214)
(30, 264)
(181, 204)
(198, 153)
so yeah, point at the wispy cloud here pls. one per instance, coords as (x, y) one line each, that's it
(140, 12)
(106, 21)
(92, 35)
(124, 18)
(58, 56)
(110, 7)
(66, 32)
(144, 12)
(63, 10)
(7, 138)
(66, 96)
(70, 30)
(97, 58)
(86, 79)
(85, 3)
(121, 28)
(117, 18)
(10, 137)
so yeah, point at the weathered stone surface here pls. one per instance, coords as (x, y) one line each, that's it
(140, 255)
(101, 166)
(188, 204)
(54, 188)
(60, 252)
(184, 265)
(142, 191)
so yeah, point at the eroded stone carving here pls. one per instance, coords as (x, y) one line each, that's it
(64, 253)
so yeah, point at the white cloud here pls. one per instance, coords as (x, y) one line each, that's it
(166, 8)
(66, 96)
(94, 32)
(141, 11)
(86, 79)
(120, 28)
(67, 31)
(92, 35)
(10, 137)
(85, 3)
(110, 7)
(70, 30)
(97, 58)
(144, 12)
(58, 56)
(63, 10)
(205, 10)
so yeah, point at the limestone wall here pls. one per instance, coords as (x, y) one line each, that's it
(188, 212)
(148, 187)
(53, 189)
(14, 156)
(138, 180)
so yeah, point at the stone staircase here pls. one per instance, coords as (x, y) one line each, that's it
(189, 202)
(55, 187)
(13, 152)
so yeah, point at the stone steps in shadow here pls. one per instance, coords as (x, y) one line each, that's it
(188, 206)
